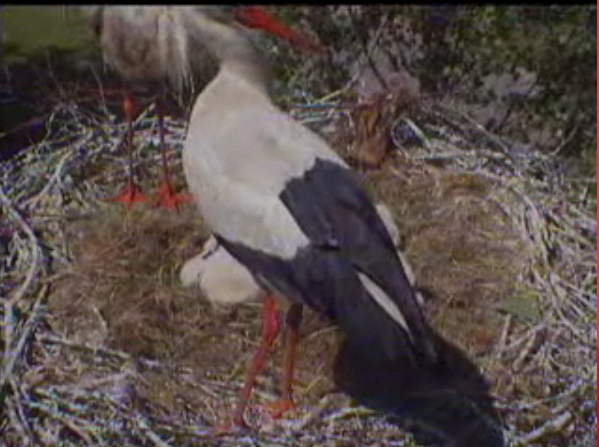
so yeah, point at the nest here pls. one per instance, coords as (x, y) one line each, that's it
(102, 346)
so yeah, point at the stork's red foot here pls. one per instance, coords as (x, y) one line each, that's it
(131, 195)
(169, 199)
(278, 408)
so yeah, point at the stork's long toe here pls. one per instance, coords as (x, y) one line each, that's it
(130, 196)
(169, 199)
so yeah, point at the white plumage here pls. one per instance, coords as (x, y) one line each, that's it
(222, 279)
(237, 161)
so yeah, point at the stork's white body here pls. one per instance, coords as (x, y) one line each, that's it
(240, 152)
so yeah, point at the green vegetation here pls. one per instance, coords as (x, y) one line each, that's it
(27, 30)
(47, 53)
(548, 55)
(557, 45)
(550, 52)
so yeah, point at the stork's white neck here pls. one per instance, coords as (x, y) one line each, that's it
(235, 52)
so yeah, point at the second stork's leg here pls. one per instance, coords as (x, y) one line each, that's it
(293, 320)
(132, 193)
(168, 198)
(271, 326)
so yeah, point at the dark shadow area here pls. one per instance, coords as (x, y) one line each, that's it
(44, 84)
(43, 91)
(445, 406)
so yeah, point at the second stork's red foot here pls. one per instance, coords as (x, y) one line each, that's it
(131, 195)
(169, 199)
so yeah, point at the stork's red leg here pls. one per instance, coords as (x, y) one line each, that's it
(293, 320)
(271, 326)
(131, 194)
(168, 198)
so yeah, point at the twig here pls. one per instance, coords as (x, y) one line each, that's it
(17, 423)
(565, 140)
(312, 415)
(349, 412)
(11, 355)
(526, 350)
(93, 349)
(153, 437)
(70, 421)
(367, 49)
(553, 426)
(35, 255)
(504, 333)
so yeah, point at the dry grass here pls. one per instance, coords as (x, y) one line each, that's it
(121, 295)
(461, 246)
(103, 347)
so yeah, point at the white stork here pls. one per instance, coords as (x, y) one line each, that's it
(135, 43)
(288, 208)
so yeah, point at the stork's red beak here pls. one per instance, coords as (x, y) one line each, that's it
(257, 17)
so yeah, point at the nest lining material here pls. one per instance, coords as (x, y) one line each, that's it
(102, 344)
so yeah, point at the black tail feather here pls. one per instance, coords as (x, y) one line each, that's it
(372, 332)
(446, 405)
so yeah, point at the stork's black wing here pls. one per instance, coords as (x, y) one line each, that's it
(347, 238)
